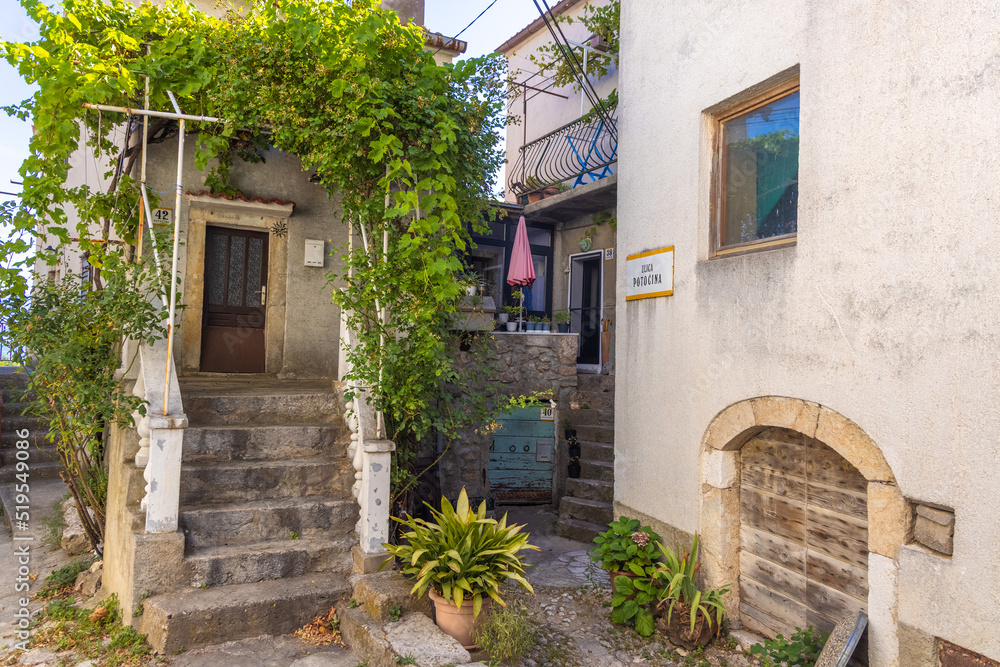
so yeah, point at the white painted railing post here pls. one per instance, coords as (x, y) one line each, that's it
(161, 439)
(372, 459)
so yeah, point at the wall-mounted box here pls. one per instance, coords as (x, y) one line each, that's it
(315, 255)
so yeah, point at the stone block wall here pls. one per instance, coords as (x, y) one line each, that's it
(526, 363)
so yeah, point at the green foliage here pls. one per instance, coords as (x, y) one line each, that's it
(603, 22)
(71, 337)
(65, 576)
(679, 593)
(462, 554)
(506, 634)
(618, 551)
(294, 535)
(407, 659)
(630, 603)
(395, 613)
(406, 147)
(561, 316)
(94, 635)
(55, 524)
(801, 650)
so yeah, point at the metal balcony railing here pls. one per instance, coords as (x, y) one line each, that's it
(583, 151)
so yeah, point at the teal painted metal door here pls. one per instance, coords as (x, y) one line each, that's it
(521, 457)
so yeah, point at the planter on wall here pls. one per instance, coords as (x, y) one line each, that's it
(511, 327)
(563, 327)
(573, 471)
(585, 243)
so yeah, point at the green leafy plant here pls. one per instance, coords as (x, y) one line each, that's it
(561, 316)
(802, 649)
(294, 535)
(626, 547)
(462, 554)
(407, 659)
(630, 603)
(679, 593)
(506, 634)
(61, 581)
(395, 613)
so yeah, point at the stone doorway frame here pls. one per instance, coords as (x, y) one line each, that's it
(889, 515)
(204, 210)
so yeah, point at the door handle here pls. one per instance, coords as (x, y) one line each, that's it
(263, 295)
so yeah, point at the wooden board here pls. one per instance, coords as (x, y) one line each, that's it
(516, 474)
(803, 536)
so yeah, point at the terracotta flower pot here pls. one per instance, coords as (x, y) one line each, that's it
(458, 623)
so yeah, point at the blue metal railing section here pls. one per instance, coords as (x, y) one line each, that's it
(580, 152)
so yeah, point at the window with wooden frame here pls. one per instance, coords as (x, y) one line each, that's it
(756, 189)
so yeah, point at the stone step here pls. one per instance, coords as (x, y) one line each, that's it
(591, 401)
(39, 471)
(380, 644)
(599, 470)
(8, 439)
(592, 511)
(192, 618)
(11, 423)
(591, 489)
(595, 382)
(581, 417)
(247, 563)
(36, 455)
(271, 408)
(604, 434)
(223, 483)
(263, 442)
(581, 531)
(13, 408)
(247, 523)
(596, 451)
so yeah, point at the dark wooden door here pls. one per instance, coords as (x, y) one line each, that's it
(804, 535)
(232, 335)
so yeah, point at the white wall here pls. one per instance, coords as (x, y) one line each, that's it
(885, 310)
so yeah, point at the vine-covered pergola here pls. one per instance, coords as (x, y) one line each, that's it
(405, 146)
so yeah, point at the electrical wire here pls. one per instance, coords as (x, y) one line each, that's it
(488, 7)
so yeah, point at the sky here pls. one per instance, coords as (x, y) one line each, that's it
(502, 21)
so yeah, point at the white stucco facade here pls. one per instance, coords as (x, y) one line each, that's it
(883, 311)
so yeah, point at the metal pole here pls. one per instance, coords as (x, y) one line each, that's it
(142, 172)
(173, 263)
(155, 114)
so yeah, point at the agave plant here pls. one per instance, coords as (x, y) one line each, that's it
(681, 594)
(462, 554)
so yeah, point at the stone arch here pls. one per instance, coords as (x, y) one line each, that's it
(889, 516)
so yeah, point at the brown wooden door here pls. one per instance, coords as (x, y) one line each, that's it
(232, 335)
(803, 534)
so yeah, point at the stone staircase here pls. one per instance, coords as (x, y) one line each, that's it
(266, 512)
(586, 508)
(43, 459)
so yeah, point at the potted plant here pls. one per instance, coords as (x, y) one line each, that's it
(686, 613)
(628, 551)
(586, 242)
(511, 313)
(470, 281)
(573, 469)
(461, 559)
(562, 319)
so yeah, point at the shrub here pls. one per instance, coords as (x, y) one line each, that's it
(801, 650)
(506, 634)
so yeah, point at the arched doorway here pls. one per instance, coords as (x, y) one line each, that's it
(803, 534)
(888, 513)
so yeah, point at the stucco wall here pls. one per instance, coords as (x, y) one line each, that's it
(884, 310)
(312, 327)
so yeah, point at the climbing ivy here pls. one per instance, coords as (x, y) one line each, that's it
(404, 147)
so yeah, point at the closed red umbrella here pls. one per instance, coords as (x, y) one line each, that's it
(522, 268)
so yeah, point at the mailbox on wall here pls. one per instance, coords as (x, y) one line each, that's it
(314, 253)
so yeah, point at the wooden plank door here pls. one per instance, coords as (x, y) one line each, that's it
(234, 311)
(803, 534)
(520, 464)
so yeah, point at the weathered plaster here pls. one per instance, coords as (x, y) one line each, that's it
(883, 311)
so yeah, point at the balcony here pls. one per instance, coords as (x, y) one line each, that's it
(581, 152)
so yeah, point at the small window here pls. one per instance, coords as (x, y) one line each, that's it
(759, 172)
